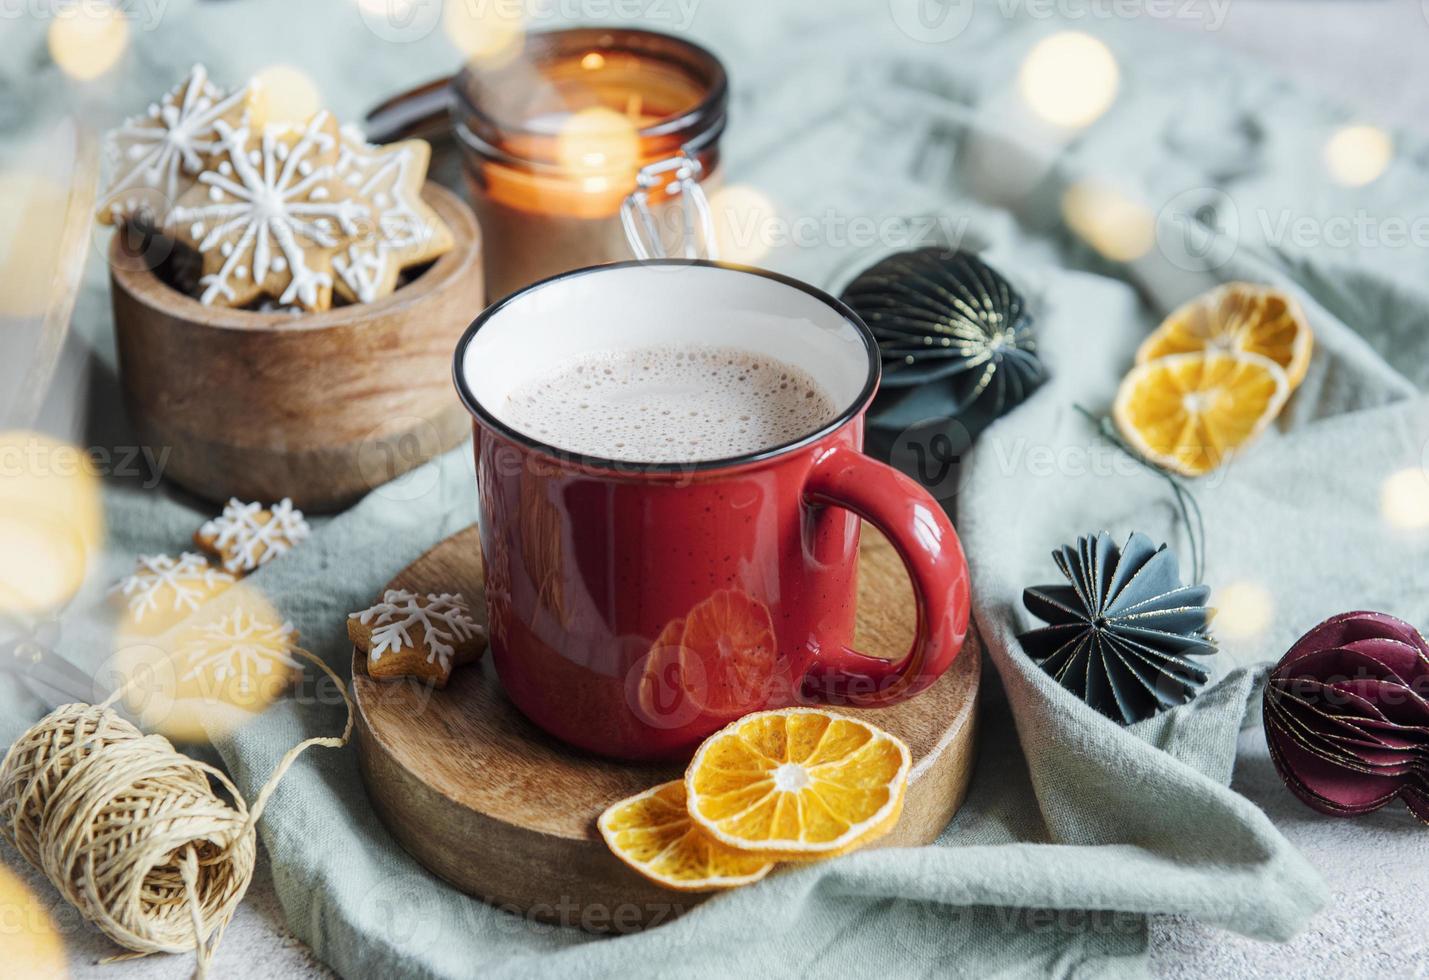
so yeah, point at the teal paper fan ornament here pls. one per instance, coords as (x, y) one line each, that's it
(1123, 633)
(956, 339)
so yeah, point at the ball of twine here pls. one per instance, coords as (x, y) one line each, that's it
(131, 832)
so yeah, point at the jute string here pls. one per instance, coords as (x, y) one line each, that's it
(132, 832)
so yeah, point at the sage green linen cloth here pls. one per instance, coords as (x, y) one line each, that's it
(844, 116)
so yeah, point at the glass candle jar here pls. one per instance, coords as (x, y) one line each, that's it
(590, 145)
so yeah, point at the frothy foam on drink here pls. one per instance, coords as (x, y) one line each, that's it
(669, 404)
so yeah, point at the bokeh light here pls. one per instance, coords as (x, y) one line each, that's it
(1118, 226)
(488, 34)
(87, 39)
(1404, 499)
(742, 215)
(1069, 79)
(283, 95)
(35, 206)
(1243, 610)
(1357, 155)
(598, 142)
(210, 671)
(33, 947)
(51, 521)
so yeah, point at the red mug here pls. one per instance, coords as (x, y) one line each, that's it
(635, 608)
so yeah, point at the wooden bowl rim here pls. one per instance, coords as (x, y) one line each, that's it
(146, 288)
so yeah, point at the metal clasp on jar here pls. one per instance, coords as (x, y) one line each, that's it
(678, 175)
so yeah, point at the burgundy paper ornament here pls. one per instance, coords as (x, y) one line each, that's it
(1347, 715)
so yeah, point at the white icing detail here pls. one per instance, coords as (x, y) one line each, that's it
(190, 579)
(384, 175)
(255, 541)
(445, 620)
(239, 644)
(161, 149)
(214, 194)
(272, 204)
(196, 229)
(279, 263)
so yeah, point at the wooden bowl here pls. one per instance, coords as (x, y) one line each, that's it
(321, 407)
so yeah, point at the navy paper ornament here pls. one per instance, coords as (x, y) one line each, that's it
(955, 337)
(1121, 631)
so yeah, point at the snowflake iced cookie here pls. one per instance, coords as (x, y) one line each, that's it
(153, 158)
(403, 230)
(268, 215)
(410, 635)
(213, 670)
(242, 646)
(245, 536)
(162, 589)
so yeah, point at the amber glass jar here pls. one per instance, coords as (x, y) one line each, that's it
(584, 148)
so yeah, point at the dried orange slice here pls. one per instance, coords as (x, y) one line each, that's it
(1191, 412)
(652, 832)
(797, 784)
(1239, 316)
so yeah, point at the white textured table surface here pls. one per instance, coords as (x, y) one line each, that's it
(1368, 53)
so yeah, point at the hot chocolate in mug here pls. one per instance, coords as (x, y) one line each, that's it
(636, 607)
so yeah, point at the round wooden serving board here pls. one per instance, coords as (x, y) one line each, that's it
(504, 812)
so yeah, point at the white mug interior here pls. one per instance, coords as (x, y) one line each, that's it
(639, 305)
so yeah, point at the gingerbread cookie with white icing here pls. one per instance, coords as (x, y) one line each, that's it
(154, 158)
(269, 214)
(410, 635)
(246, 536)
(163, 590)
(403, 229)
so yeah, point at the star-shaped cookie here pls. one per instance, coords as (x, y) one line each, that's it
(152, 159)
(246, 536)
(421, 636)
(162, 589)
(269, 213)
(403, 230)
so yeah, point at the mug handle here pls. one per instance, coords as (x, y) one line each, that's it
(924, 538)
